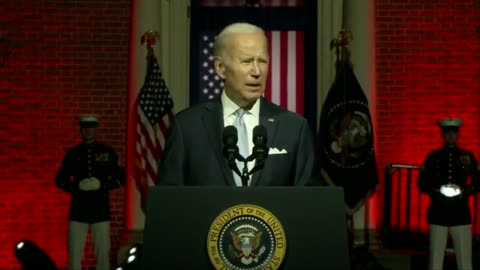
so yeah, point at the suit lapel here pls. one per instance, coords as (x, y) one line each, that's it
(269, 119)
(213, 122)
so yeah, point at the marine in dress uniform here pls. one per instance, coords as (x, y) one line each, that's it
(444, 178)
(89, 171)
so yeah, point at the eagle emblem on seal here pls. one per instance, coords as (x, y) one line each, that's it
(246, 244)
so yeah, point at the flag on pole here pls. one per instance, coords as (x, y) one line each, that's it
(345, 138)
(154, 114)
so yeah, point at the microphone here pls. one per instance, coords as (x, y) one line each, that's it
(230, 148)
(230, 138)
(260, 149)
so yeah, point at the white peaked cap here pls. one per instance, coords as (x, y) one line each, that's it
(89, 118)
(450, 122)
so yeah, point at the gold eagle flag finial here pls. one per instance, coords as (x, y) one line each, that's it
(150, 38)
(342, 46)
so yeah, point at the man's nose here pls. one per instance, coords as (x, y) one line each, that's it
(255, 71)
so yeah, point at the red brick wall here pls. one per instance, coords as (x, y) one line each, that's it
(427, 67)
(58, 59)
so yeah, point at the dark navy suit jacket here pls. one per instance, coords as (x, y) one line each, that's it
(193, 153)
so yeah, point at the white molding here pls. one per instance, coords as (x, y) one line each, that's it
(175, 50)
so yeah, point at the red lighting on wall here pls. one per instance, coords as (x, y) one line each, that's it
(427, 68)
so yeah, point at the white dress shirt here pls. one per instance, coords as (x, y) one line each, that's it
(251, 119)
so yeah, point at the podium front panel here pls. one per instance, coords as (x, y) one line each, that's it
(178, 221)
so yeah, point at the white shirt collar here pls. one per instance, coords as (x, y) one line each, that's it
(229, 107)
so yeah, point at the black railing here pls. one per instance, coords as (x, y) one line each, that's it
(405, 209)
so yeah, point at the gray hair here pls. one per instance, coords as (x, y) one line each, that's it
(234, 28)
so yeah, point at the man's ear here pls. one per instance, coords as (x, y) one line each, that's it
(219, 67)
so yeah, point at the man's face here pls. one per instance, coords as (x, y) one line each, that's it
(450, 136)
(244, 67)
(88, 133)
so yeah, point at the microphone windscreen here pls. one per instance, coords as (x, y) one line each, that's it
(230, 135)
(260, 135)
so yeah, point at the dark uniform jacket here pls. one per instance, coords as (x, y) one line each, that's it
(89, 160)
(443, 166)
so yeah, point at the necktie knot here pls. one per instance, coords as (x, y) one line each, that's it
(240, 113)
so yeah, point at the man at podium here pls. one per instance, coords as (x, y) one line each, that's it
(196, 152)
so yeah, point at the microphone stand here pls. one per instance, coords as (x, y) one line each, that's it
(259, 152)
(233, 165)
(245, 174)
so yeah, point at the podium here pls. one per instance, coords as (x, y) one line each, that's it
(245, 228)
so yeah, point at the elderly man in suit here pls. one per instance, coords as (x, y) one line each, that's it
(193, 152)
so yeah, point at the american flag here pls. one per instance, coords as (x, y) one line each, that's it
(154, 114)
(285, 82)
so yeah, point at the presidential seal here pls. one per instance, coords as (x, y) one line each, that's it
(246, 237)
(350, 135)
